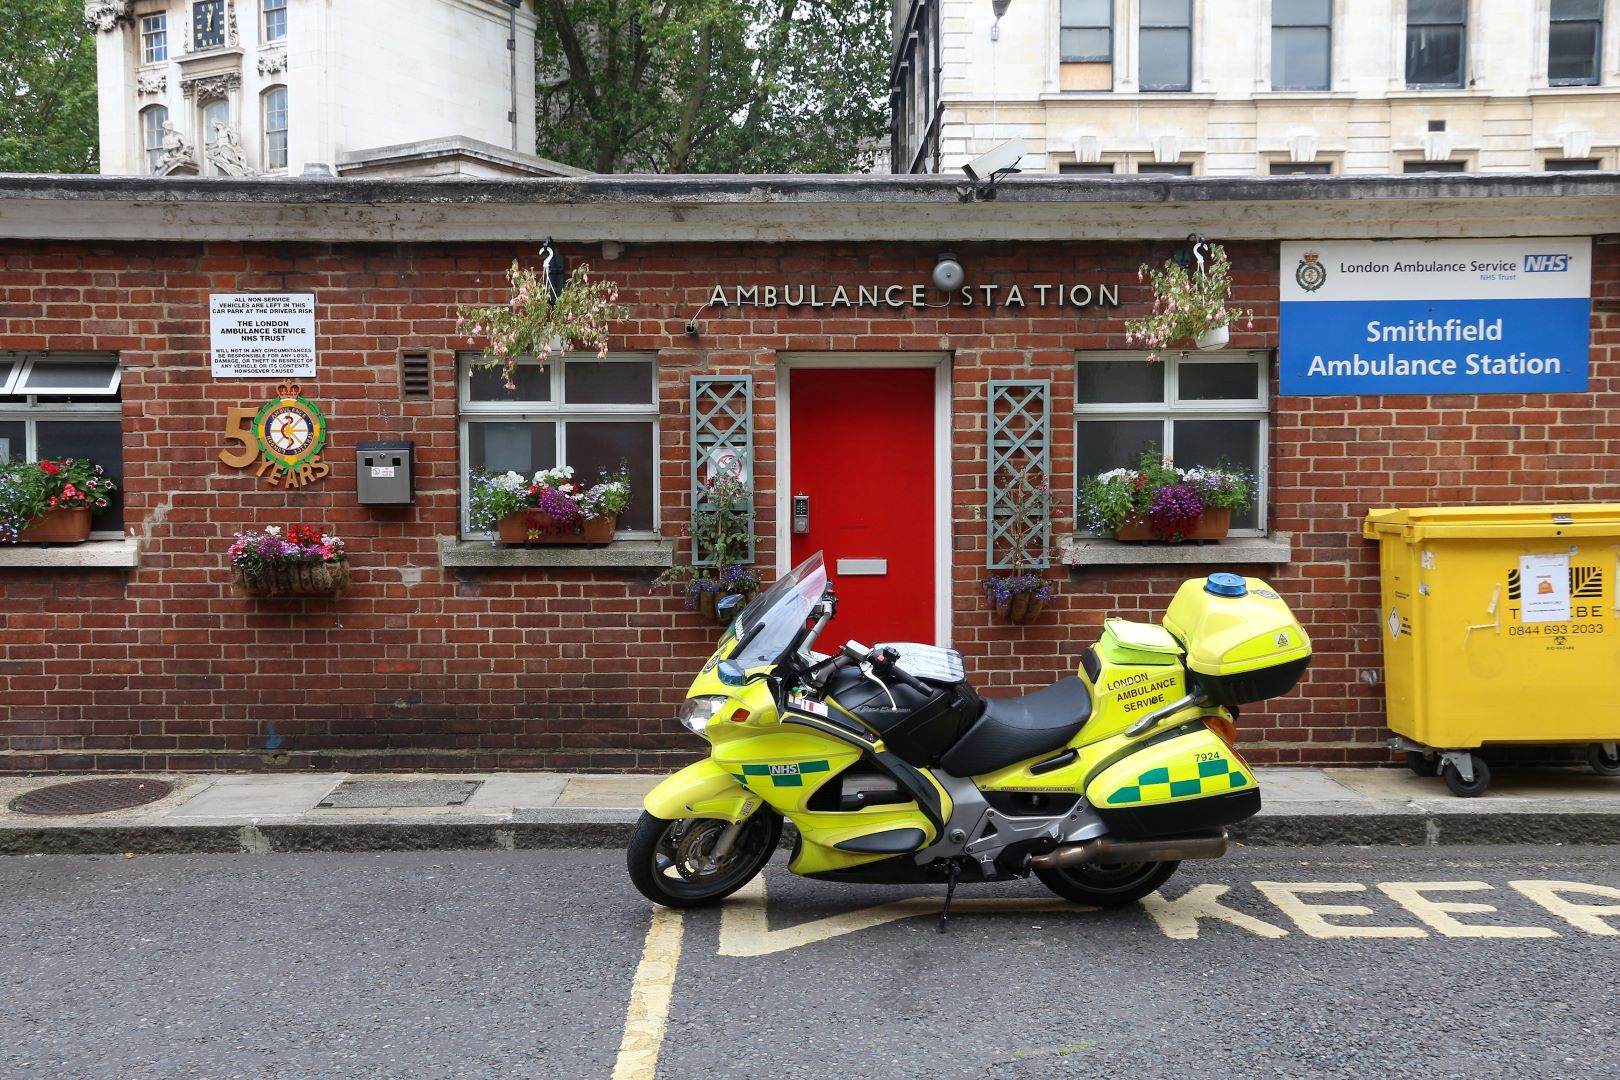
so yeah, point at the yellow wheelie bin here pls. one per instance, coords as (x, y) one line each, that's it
(1500, 624)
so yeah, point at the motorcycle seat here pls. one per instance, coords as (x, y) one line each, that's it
(1012, 729)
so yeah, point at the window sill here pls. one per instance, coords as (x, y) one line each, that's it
(111, 554)
(1080, 550)
(636, 554)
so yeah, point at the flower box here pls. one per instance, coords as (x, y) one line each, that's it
(539, 527)
(69, 525)
(1212, 524)
(292, 579)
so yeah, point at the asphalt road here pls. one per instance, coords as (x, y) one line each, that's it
(1269, 963)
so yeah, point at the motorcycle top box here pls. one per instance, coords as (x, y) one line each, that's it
(1243, 644)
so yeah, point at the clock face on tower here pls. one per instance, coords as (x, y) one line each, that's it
(207, 24)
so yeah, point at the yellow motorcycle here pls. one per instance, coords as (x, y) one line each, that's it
(893, 770)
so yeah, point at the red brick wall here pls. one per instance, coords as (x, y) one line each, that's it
(424, 666)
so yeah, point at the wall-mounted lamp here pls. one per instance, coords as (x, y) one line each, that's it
(948, 273)
(1000, 8)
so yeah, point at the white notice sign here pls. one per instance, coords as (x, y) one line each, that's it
(262, 335)
(1544, 588)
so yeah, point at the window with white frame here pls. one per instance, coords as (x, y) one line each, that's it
(1575, 43)
(275, 128)
(593, 415)
(1301, 44)
(64, 405)
(1200, 409)
(1436, 42)
(1166, 45)
(1086, 45)
(275, 20)
(153, 117)
(154, 38)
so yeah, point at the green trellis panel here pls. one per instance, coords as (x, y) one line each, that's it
(722, 419)
(1020, 460)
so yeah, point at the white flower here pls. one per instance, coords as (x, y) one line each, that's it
(272, 530)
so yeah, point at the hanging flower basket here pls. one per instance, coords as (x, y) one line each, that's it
(1018, 597)
(1212, 524)
(1021, 607)
(539, 527)
(1189, 302)
(292, 579)
(69, 525)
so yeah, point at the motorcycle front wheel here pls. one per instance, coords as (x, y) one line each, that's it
(1107, 884)
(672, 862)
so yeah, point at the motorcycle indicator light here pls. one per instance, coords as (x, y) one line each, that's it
(740, 716)
(1223, 584)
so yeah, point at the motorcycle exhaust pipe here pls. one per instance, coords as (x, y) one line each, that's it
(1106, 849)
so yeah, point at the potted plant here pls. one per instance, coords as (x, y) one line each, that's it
(52, 501)
(300, 561)
(1020, 595)
(549, 508)
(1189, 303)
(1158, 501)
(545, 313)
(721, 536)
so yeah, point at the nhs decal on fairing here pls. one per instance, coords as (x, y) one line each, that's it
(1435, 316)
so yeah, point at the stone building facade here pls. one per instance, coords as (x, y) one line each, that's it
(131, 651)
(1253, 87)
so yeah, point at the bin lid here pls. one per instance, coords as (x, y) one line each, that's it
(1488, 522)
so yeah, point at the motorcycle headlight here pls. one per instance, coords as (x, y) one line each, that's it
(698, 711)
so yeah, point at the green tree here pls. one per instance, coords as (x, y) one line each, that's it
(47, 87)
(717, 86)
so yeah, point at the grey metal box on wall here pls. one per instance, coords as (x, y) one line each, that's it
(383, 472)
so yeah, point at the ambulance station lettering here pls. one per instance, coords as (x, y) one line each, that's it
(916, 296)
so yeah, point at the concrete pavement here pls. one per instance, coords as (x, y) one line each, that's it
(270, 812)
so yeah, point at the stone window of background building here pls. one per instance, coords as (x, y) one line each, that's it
(1086, 168)
(1434, 166)
(153, 118)
(1571, 164)
(275, 128)
(590, 414)
(1436, 43)
(1301, 44)
(1166, 45)
(154, 38)
(59, 405)
(1165, 168)
(1575, 43)
(275, 20)
(217, 110)
(1199, 410)
(1301, 168)
(1086, 45)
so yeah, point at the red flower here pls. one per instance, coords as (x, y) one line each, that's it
(51, 467)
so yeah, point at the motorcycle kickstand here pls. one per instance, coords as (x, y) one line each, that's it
(951, 878)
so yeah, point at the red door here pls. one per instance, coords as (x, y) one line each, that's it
(862, 449)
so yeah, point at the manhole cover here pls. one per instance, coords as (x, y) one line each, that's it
(91, 796)
(376, 794)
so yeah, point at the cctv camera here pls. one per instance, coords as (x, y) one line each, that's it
(1003, 158)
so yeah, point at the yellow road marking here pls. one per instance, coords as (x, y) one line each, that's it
(650, 993)
(745, 925)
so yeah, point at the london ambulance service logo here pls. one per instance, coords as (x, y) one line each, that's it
(1310, 274)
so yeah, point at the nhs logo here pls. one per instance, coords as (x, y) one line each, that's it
(1545, 264)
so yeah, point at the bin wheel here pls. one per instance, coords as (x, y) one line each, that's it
(1466, 789)
(1422, 764)
(1603, 763)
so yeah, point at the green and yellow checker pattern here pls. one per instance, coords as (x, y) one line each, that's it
(1181, 781)
(788, 774)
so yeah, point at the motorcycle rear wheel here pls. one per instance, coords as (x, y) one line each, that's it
(1107, 884)
(669, 862)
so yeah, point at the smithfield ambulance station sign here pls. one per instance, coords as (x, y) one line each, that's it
(262, 335)
(1435, 316)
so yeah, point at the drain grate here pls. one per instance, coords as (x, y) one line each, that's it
(91, 796)
(378, 794)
